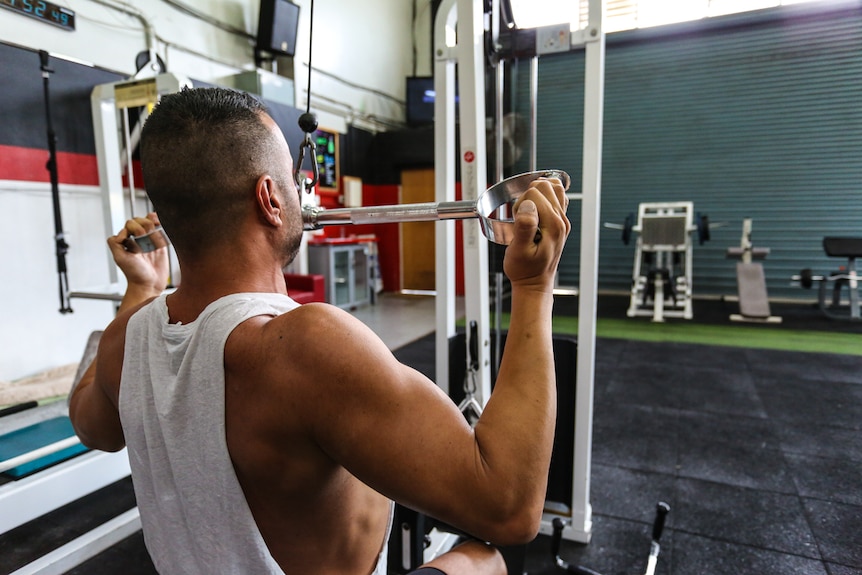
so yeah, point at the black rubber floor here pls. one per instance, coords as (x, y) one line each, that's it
(758, 453)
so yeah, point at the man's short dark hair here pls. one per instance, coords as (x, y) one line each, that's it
(202, 151)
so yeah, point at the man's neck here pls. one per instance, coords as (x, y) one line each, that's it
(205, 282)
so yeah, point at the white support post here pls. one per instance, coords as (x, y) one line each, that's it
(469, 55)
(594, 85)
(444, 183)
(107, 135)
(474, 166)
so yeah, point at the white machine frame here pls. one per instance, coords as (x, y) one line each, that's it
(115, 142)
(664, 233)
(468, 53)
(26, 499)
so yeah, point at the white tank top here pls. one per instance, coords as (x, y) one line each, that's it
(195, 517)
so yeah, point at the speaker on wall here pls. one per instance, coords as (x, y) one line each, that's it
(276, 30)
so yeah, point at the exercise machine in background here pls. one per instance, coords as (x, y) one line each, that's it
(662, 272)
(845, 277)
(751, 280)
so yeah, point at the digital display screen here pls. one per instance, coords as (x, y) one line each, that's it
(44, 11)
(327, 158)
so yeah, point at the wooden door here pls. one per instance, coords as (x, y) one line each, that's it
(417, 238)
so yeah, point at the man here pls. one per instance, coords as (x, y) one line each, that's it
(268, 437)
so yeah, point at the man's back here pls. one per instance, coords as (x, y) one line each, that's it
(172, 411)
(315, 516)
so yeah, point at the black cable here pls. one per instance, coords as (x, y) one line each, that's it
(61, 247)
(310, 44)
(307, 123)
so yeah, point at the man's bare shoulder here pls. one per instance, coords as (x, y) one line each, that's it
(314, 322)
(314, 338)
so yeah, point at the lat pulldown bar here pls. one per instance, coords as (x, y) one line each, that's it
(496, 229)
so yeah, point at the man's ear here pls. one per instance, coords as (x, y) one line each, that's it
(269, 201)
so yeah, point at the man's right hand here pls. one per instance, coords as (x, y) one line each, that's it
(540, 231)
(144, 271)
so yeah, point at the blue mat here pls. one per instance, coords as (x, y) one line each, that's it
(27, 439)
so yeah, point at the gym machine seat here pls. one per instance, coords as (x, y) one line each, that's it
(751, 280)
(847, 276)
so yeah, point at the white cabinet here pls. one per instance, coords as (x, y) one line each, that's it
(347, 272)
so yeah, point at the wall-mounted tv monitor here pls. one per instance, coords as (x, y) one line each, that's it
(277, 26)
(420, 100)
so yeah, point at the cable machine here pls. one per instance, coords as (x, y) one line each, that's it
(468, 54)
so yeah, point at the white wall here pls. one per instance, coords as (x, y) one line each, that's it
(367, 43)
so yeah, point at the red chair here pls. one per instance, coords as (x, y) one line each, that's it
(306, 288)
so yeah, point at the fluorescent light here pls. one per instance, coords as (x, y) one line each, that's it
(536, 13)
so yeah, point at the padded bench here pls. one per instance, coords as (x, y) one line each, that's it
(842, 247)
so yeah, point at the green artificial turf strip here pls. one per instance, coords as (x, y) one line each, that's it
(748, 336)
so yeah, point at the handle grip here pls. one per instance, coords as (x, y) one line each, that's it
(661, 511)
(557, 537)
(474, 346)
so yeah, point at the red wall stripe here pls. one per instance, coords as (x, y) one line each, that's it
(29, 165)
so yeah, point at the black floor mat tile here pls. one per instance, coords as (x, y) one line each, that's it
(835, 569)
(635, 437)
(837, 527)
(837, 404)
(696, 555)
(838, 480)
(668, 386)
(630, 494)
(617, 546)
(807, 366)
(727, 428)
(610, 351)
(683, 355)
(807, 438)
(827, 391)
(743, 465)
(750, 517)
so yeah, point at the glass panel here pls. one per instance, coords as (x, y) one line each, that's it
(360, 269)
(341, 276)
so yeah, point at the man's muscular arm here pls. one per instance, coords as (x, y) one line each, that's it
(396, 431)
(93, 405)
